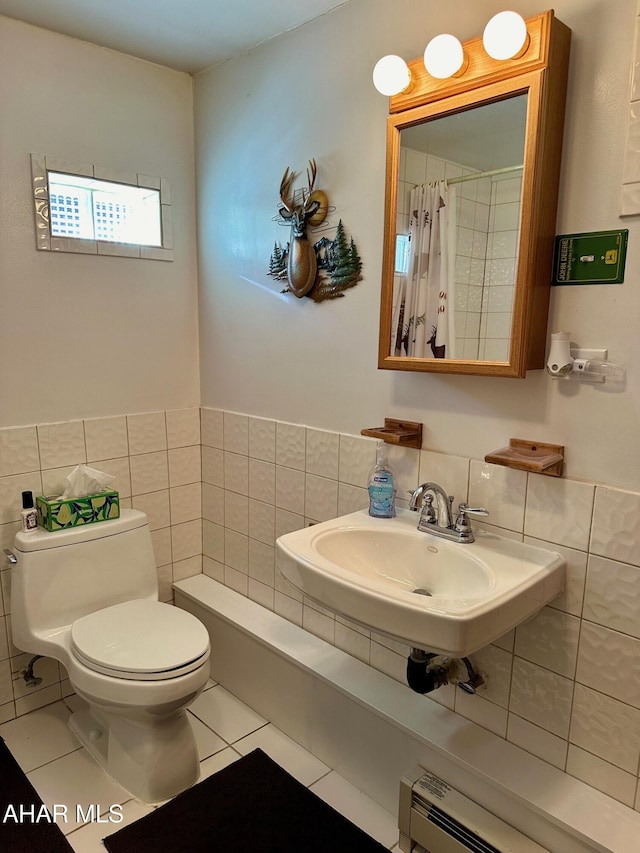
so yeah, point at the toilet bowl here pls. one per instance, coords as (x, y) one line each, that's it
(88, 597)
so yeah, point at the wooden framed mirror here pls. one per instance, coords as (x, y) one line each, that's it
(472, 174)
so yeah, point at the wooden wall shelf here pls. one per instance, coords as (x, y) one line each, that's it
(403, 433)
(535, 456)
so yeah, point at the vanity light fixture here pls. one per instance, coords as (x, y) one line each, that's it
(444, 57)
(505, 36)
(391, 75)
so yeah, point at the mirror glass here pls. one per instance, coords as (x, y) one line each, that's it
(475, 160)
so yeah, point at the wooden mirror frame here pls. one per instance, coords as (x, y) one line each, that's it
(541, 73)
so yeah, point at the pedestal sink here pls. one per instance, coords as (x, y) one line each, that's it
(436, 595)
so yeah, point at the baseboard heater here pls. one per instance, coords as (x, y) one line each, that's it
(436, 818)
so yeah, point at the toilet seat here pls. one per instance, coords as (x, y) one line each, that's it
(142, 639)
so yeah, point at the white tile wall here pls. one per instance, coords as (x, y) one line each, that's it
(262, 439)
(500, 490)
(565, 686)
(183, 427)
(18, 450)
(106, 438)
(147, 432)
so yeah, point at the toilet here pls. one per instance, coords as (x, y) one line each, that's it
(88, 597)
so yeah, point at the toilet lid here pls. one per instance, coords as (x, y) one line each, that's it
(145, 640)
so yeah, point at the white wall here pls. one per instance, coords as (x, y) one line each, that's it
(309, 94)
(85, 336)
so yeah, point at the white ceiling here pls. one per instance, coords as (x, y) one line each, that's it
(188, 35)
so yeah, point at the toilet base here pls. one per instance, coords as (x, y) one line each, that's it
(154, 758)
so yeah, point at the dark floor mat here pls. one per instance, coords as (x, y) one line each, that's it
(250, 805)
(24, 827)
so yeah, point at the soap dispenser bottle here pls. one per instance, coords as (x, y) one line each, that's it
(381, 486)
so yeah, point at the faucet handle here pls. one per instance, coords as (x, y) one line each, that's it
(473, 510)
(462, 525)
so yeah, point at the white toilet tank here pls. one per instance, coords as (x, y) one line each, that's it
(61, 576)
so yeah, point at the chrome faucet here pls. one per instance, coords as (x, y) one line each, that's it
(438, 519)
(423, 497)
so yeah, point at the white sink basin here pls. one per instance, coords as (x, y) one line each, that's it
(371, 569)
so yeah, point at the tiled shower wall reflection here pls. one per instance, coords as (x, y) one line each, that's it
(220, 487)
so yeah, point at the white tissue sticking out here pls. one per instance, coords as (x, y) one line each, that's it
(83, 481)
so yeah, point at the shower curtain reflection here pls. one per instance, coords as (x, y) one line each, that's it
(423, 315)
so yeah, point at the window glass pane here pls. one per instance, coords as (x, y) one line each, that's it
(402, 253)
(70, 210)
(92, 209)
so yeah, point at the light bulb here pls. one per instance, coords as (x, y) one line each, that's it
(391, 75)
(505, 36)
(444, 56)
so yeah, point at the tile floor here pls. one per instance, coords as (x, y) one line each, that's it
(225, 728)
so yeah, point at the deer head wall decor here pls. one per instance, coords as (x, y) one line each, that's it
(302, 261)
(301, 209)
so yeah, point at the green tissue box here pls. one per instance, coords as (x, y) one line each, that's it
(57, 514)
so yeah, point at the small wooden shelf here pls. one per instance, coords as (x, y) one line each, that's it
(403, 433)
(535, 456)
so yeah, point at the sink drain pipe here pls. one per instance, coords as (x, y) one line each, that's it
(425, 676)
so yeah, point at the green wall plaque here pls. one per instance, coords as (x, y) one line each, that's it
(593, 258)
